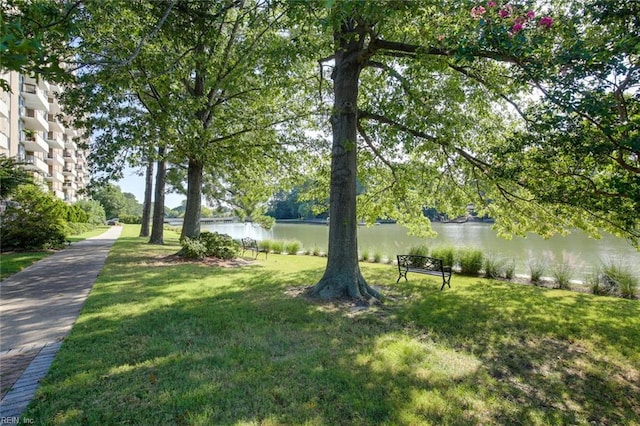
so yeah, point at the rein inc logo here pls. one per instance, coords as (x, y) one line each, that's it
(16, 420)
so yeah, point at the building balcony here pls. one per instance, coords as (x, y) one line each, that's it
(55, 88)
(34, 143)
(39, 82)
(71, 132)
(69, 171)
(54, 177)
(54, 106)
(35, 164)
(35, 120)
(57, 193)
(55, 124)
(4, 109)
(70, 157)
(34, 97)
(70, 144)
(67, 184)
(55, 140)
(4, 141)
(55, 159)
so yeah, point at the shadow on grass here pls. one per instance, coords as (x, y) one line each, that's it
(567, 357)
(192, 344)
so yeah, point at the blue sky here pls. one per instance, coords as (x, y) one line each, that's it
(135, 184)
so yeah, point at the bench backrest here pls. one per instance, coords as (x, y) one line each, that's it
(423, 262)
(249, 243)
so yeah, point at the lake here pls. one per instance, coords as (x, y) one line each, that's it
(391, 239)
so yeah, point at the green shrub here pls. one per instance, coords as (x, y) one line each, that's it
(94, 210)
(76, 214)
(377, 257)
(510, 270)
(277, 246)
(365, 256)
(218, 245)
(595, 281)
(562, 273)
(130, 219)
(266, 245)
(617, 279)
(536, 269)
(210, 244)
(316, 251)
(35, 221)
(494, 266)
(447, 254)
(78, 228)
(470, 260)
(193, 248)
(419, 251)
(292, 247)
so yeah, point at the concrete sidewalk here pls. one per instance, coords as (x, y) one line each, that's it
(38, 307)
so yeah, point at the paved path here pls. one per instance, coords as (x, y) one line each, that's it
(38, 307)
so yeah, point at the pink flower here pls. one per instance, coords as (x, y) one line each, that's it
(516, 27)
(545, 21)
(440, 37)
(530, 14)
(505, 12)
(478, 11)
(491, 4)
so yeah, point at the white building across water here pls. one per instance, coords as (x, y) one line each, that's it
(36, 131)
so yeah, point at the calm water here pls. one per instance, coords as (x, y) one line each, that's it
(392, 239)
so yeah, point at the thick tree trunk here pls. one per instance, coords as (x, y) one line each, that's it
(191, 222)
(157, 228)
(342, 277)
(148, 192)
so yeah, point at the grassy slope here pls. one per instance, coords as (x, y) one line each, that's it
(194, 344)
(10, 263)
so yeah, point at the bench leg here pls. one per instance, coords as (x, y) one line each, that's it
(402, 274)
(445, 281)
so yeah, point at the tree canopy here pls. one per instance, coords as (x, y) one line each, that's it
(528, 110)
(34, 37)
(442, 105)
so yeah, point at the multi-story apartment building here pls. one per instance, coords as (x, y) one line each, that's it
(35, 130)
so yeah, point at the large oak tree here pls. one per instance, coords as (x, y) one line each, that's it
(444, 105)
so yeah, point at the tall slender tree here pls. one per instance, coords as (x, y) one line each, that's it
(148, 192)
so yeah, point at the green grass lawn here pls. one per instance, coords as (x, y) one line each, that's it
(165, 343)
(93, 233)
(10, 263)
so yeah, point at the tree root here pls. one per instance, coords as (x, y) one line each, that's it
(345, 286)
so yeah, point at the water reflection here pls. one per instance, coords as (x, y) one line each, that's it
(391, 239)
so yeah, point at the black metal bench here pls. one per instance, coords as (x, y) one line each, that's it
(423, 265)
(249, 244)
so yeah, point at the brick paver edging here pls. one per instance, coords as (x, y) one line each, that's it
(16, 400)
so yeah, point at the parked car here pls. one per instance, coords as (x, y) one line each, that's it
(113, 221)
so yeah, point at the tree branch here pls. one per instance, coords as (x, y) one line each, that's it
(482, 81)
(375, 150)
(136, 52)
